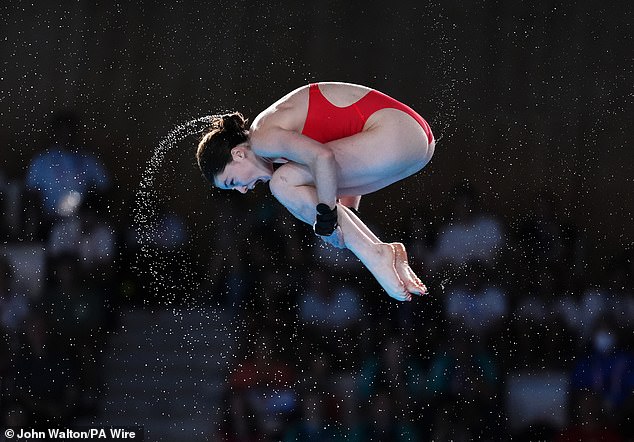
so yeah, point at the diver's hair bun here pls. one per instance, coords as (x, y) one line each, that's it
(233, 122)
(231, 127)
(229, 123)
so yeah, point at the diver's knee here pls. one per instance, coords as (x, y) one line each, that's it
(431, 148)
(280, 188)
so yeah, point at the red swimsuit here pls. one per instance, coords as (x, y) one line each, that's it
(326, 122)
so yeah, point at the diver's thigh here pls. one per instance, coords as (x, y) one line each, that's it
(382, 152)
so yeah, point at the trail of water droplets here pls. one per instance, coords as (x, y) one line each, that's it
(146, 221)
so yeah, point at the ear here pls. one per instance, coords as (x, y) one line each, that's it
(239, 153)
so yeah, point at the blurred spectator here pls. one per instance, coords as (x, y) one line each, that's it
(170, 231)
(14, 307)
(279, 256)
(536, 336)
(63, 174)
(265, 382)
(239, 423)
(161, 257)
(330, 313)
(448, 424)
(580, 311)
(98, 246)
(388, 417)
(477, 302)
(22, 218)
(535, 402)
(466, 375)
(313, 424)
(606, 368)
(469, 235)
(392, 366)
(89, 236)
(351, 418)
(45, 381)
(79, 313)
(76, 306)
(227, 280)
(35, 226)
(536, 302)
(327, 306)
(295, 251)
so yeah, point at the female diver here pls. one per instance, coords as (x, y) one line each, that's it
(320, 148)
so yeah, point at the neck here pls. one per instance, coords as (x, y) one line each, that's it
(268, 162)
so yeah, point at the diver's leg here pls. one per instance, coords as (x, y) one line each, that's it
(412, 283)
(379, 258)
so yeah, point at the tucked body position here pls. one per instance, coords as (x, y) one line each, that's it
(320, 148)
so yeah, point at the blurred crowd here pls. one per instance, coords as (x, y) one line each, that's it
(516, 338)
(57, 281)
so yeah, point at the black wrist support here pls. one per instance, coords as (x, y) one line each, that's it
(326, 220)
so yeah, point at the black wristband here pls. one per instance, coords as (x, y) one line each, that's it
(326, 220)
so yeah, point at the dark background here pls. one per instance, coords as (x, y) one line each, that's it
(530, 102)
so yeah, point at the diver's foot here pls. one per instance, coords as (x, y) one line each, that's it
(381, 264)
(412, 283)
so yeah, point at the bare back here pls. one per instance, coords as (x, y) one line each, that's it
(290, 111)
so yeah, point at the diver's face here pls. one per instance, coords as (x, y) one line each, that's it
(244, 172)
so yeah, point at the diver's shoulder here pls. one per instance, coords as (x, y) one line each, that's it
(289, 112)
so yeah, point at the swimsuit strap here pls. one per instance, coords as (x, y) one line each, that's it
(317, 99)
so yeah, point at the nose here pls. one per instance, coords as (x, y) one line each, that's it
(242, 189)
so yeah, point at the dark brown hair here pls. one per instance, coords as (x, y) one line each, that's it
(214, 149)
